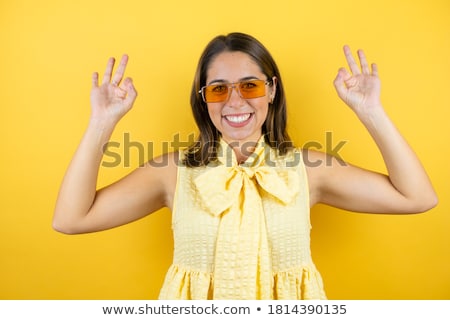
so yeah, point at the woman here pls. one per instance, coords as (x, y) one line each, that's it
(240, 196)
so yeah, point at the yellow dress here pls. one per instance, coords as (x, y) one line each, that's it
(243, 231)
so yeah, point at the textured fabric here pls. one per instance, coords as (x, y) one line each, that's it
(243, 231)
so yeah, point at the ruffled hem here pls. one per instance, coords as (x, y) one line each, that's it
(302, 283)
(183, 284)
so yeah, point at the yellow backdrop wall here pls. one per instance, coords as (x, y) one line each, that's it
(49, 49)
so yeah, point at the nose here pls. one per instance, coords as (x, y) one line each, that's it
(234, 96)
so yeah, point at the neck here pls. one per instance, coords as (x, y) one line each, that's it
(242, 148)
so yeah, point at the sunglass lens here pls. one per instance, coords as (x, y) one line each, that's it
(252, 89)
(216, 93)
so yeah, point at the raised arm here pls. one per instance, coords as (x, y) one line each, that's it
(406, 188)
(80, 207)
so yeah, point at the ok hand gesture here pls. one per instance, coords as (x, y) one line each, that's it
(113, 98)
(360, 89)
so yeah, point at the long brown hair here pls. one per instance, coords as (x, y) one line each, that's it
(204, 149)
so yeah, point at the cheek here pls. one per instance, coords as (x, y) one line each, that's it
(262, 109)
(214, 113)
(263, 112)
(263, 118)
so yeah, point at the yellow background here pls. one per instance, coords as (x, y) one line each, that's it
(49, 49)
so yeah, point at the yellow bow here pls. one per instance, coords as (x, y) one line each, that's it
(234, 192)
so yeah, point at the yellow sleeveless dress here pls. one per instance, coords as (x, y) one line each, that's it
(243, 231)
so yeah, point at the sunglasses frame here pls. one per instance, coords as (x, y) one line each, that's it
(230, 87)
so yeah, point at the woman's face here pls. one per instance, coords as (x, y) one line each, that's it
(238, 119)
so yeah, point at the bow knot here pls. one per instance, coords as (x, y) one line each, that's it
(219, 186)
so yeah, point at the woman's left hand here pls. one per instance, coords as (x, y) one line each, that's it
(360, 89)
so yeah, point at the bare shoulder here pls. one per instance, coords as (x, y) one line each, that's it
(320, 167)
(319, 163)
(154, 182)
(163, 170)
(165, 162)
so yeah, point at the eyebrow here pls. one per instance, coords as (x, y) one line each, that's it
(225, 81)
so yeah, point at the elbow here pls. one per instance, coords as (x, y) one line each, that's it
(431, 203)
(64, 227)
(426, 203)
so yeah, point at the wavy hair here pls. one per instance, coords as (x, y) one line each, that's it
(274, 130)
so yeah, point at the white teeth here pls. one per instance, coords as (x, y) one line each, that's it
(238, 119)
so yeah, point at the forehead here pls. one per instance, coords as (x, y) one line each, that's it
(232, 66)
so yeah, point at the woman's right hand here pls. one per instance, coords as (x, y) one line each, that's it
(113, 98)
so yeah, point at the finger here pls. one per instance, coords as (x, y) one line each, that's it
(120, 70)
(108, 71)
(95, 80)
(339, 81)
(131, 91)
(351, 61)
(344, 74)
(374, 69)
(363, 62)
(120, 93)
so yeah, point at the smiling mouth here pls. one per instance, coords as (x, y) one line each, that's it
(237, 119)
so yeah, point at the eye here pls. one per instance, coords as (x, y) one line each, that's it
(220, 88)
(249, 85)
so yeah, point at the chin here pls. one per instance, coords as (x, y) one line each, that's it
(241, 136)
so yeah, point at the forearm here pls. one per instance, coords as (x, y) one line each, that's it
(78, 188)
(406, 173)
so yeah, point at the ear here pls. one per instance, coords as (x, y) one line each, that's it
(273, 89)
